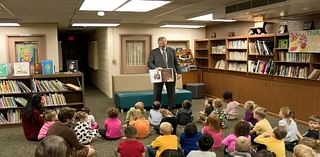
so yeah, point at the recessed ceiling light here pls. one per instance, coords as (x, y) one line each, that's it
(101, 5)
(100, 13)
(207, 17)
(142, 5)
(224, 20)
(9, 24)
(182, 26)
(95, 23)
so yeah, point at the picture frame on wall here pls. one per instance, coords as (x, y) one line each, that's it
(307, 25)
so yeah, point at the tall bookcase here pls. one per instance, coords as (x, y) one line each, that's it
(201, 52)
(16, 89)
(217, 53)
(237, 53)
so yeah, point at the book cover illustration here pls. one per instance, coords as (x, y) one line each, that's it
(72, 65)
(3, 70)
(283, 43)
(26, 52)
(163, 75)
(47, 67)
(21, 69)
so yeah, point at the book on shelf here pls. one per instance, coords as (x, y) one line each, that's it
(220, 64)
(3, 70)
(283, 43)
(47, 67)
(315, 74)
(161, 75)
(22, 101)
(251, 66)
(21, 69)
(72, 65)
(73, 87)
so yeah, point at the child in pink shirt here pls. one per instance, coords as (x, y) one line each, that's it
(50, 118)
(232, 106)
(213, 128)
(241, 129)
(113, 125)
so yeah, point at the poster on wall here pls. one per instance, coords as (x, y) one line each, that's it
(304, 41)
(26, 52)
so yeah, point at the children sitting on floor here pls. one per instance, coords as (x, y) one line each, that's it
(249, 106)
(301, 150)
(314, 127)
(290, 125)
(50, 117)
(91, 120)
(274, 141)
(112, 125)
(232, 106)
(165, 141)
(85, 134)
(184, 115)
(242, 147)
(130, 146)
(242, 128)
(167, 116)
(155, 116)
(189, 139)
(220, 113)
(140, 123)
(205, 143)
(213, 128)
(139, 105)
(208, 109)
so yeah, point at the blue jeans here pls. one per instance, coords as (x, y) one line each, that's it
(151, 151)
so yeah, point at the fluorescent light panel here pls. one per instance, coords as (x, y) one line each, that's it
(182, 26)
(142, 5)
(9, 24)
(101, 5)
(207, 17)
(95, 24)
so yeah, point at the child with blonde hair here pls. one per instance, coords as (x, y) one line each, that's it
(167, 116)
(242, 147)
(208, 109)
(164, 141)
(50, 117)
(85, 134)
(112, 125)
(218, 104)
(213, 128)
(288, 122)
(232, 106)
(301, 150)
(138, 105)
(263, 125)
(249, 106)
(274, 141)
(140, 122)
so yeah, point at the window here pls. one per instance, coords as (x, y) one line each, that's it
(135, 51)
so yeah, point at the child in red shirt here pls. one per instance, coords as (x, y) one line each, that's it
(130, 146)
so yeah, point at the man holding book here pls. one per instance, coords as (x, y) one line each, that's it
(160, 58)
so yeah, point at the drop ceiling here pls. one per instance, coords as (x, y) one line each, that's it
(63, 12)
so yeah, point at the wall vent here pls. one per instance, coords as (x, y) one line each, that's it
(250, 4)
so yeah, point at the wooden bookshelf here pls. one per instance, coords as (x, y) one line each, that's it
(201, 52)
(11, 109)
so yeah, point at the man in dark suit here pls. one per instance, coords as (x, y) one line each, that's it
(164, 57)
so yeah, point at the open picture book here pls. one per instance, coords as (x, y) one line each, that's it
(163, 75)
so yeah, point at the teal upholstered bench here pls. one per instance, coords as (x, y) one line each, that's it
(127, 99)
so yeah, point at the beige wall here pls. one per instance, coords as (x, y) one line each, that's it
(49, 30)
(222, 30)
(109, 48)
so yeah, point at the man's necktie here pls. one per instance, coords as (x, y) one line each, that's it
(164, 55)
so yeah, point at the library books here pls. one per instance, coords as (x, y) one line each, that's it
(294, 57)
(261, 47)
(47, 86)
(21, 69)
(47, 67)
(3, 70)
(221, 64)
(13, 86)
(237, 55)
(239, 44)
(161, 75)
(292, 71)
(315, 74)
(73, 87)
(220, 49)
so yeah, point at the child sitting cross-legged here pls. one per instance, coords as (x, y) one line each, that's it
(155, 115)
(139, 105)
(314, 127)
(208, 109)
(249, 106)
(189, 139)
(85, 134)
(274, 142)
(164, 141)
(91, 120)
(184, 115)
(112, 125)
(205, 143)
(140, 123)
(213, 128)
(129, 145)
(50, 117)
(167, 116)
(232, 106)
(243, 147)
(218, 104)
(263, 125)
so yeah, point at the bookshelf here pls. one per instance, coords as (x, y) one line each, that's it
(201, 51)
(15, 91)
(236, 54)
(217, 53)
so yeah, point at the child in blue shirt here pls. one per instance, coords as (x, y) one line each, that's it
(189, 139)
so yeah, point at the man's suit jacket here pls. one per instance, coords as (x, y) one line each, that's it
(156, 60)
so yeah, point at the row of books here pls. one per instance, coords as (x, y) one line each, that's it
(237, 55)
(13, 117)
(261, 67)
(25, 68)
(47, 86)
(261, 47)
(221, 49)
(13, 86)
(292, 71)
(221, 64)
(238, 44)
(54, 99)
(294, 57)
(235, 66)
(315, 74)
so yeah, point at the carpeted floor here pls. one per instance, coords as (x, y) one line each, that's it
(14, 144)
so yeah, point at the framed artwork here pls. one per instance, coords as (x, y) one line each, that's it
(307, 25)
(21, 69)
(27, 52)
(283, 43)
